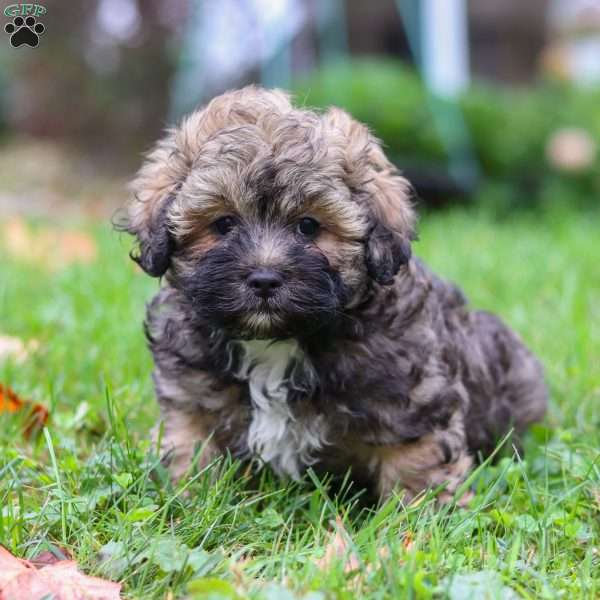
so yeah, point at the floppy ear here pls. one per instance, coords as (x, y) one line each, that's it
(386, 252)
(388, 244)
(385, 194)
(156, 186)
(155, 190)
(156, 244)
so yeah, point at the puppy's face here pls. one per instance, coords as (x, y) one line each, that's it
(272, 221)
(259, 254)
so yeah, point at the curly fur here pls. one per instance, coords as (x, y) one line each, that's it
(363, 358)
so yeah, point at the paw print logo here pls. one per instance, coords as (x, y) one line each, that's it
(24, 31)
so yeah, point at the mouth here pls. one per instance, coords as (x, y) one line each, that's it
(266, 306)
(281, 315)
(267, 320)
(261, 323)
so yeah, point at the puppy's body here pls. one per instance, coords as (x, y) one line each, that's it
(304, 344)
(418, 386)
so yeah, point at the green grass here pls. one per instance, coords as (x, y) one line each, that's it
(91, 485)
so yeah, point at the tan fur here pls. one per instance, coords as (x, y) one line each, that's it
(202, 242)
(329, 244)
(186, 435)
(369, 167)
(171, 161)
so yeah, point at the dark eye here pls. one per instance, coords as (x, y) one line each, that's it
(308, 226)
(224, 224)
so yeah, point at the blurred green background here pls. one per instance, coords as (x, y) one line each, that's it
(520, 129)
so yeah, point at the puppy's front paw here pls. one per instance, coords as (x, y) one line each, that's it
(452, 476)
(448, 498)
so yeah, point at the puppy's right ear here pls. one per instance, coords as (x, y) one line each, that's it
(155, 190)
(155, 242)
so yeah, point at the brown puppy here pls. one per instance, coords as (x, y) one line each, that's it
(293, 324)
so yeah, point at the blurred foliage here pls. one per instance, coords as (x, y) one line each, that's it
(387, 95)
(509, 129)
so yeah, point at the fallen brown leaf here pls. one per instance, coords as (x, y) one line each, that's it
(53, 248)
(13, 347)
(36, 414)
(338, 548)
(21, 580)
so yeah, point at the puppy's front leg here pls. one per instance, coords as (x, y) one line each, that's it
(185, 434)
(193, 407)
(439, 458)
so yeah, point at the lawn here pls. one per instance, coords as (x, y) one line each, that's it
(90, 484)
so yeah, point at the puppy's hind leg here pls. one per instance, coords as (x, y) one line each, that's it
(512, 396)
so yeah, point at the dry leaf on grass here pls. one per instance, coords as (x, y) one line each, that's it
(21, 580)
(338, 549)
(36, 414)
(53, 248)
(16, 348)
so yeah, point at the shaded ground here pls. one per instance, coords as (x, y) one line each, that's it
(45, 179)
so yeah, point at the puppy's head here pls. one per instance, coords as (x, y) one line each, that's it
(270, 219)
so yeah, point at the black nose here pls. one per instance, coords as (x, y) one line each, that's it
(264, 282)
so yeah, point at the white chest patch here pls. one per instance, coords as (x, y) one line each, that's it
(275, 434)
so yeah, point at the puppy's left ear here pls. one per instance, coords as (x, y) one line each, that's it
(386, 252)
(385, 194)
(388, 195)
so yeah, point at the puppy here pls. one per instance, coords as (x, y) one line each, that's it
(293, 324)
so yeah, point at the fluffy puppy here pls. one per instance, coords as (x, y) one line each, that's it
(293, 324)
